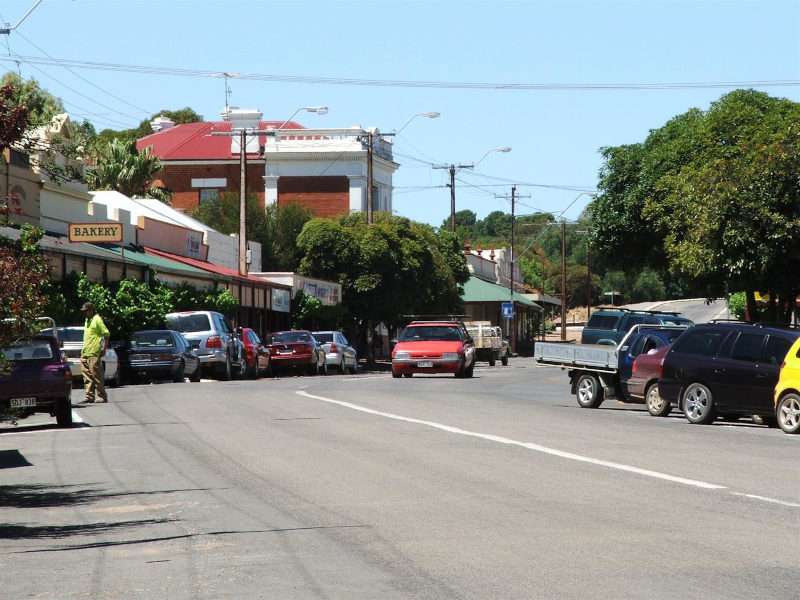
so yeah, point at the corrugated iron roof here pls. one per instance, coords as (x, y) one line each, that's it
(479, 290)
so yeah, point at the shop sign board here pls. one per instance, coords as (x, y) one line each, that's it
(95, 232)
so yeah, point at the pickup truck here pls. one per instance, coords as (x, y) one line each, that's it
(598, 372)
(488, 341)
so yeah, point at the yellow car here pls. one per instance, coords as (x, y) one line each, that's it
(787, 392)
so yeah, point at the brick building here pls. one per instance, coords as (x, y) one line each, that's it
(324, 170)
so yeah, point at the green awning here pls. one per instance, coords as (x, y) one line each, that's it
(157, 263)
(479, 290)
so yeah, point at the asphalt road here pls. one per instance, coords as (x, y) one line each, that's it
(698, 310)
(367, 487)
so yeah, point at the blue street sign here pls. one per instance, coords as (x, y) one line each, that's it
(507, 309)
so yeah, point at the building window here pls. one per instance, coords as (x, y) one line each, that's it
(207, 195)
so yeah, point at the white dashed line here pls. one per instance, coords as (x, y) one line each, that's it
(529, 446)
(766, 499)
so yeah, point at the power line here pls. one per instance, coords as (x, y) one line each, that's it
(399, 83)
(82, 95)
(82, 78)
(569, 188)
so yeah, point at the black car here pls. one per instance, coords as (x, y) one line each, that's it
(160, 354)
(725, 369)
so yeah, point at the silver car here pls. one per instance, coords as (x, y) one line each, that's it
(338, 351)
(219, 349)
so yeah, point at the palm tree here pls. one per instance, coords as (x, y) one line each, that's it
(122, 168)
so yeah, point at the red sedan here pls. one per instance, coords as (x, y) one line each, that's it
(298, 349)
(643, 382)
(257, 359)
(433, 347)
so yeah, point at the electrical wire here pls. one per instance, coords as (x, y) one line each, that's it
(85, 80)
(399, 83)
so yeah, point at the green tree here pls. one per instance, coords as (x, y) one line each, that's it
(712, 197)
(122, 168)
(390, 268)
(648, 286)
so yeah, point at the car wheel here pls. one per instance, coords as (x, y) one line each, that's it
(324, 369)
(408, 375)
(195, 378)
(788, 413)
(504, 360)
(226, 373)
(117, 380)
(64, 413)
(492, 361)
(588, 391)
(354, 368)
(698, 404)
(396, 375)
(656, 405)
(180, 373)
(470, 371)
(342, 368)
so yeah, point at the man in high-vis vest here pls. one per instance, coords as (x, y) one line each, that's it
(95, 344)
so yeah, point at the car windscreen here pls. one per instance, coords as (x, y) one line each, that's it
(189, 323)
(430, 332)
(603, 322)
(290, 337)
(152, 339)
(28, 350)
(323, 338)
(66, 334)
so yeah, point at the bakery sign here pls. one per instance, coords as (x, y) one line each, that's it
(95, 232)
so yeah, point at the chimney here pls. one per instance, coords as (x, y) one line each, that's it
(161, 123)
(243, 118)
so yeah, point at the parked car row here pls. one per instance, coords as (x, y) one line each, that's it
(723, 369)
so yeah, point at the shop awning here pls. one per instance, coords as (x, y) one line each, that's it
(480, 290)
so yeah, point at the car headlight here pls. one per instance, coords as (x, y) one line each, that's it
(402, 355)
(450, 356)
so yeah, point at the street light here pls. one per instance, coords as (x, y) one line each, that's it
(488, 152)
(320, 110)
(428, 115)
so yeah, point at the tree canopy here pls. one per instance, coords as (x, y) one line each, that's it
(390, 268)
(712, 196)
(121, 167)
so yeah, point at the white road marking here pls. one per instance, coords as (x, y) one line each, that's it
(766, 499)
(529, 446)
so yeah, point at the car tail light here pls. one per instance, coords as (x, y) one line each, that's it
(635, 367)
(165, 357)
(214, 341)
(333, 347)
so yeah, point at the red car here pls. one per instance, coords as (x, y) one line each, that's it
(297, 349)
(433, 347)
(40, 380)
(643, 382)
(256, 355)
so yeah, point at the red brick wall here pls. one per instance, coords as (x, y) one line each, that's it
(178, 179)
(323, 196)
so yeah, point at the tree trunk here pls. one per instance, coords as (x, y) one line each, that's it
(772, 311)
(751, 312)
(370, 337)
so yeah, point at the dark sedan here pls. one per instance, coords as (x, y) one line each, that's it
(160, 354)
(39, 380)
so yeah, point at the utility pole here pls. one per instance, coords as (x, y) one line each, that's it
(243, 203)
(453, 168)
(588, 282)
(563, 280)
(370, 157)
(512, 262)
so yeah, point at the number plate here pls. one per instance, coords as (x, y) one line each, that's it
(284, 351)
(22, 402)
(425, 364)
(141, 357)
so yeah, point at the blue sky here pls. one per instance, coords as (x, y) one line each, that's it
(555, 135)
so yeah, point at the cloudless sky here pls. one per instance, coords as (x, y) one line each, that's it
(555, 135)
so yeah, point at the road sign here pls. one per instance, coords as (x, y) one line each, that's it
(95, 232)
(507, 309)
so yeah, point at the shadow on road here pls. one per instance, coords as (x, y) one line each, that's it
(11, 459)
(9, 531)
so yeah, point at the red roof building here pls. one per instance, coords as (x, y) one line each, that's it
(322, 170)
